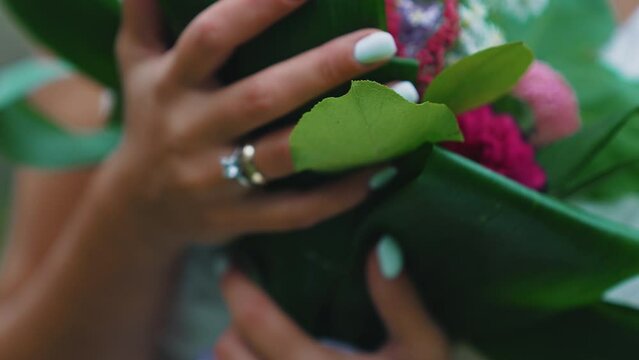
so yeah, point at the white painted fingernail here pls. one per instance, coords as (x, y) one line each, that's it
(375, 47)
(390, 257)
(407, 90)
(221, 265)
(624, 294)
(382, 178)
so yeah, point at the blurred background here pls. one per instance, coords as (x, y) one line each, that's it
(13, 46)
(12, 42)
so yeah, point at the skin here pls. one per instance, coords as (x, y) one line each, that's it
(624, 8)
(260, 330)
(70, 223)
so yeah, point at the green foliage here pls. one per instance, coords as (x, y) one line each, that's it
(81, 31)
(18, 80)
(481, 78)
(492, 259)
(571, 35)
(369, 125)
(566, 161)
(28, 137)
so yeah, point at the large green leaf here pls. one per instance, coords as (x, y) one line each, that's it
(28, 137)
(566, 161)
(368, 125)
(491, 259)
(481, 78)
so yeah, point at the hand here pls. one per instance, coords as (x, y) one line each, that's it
(180, 122)
(262, 331)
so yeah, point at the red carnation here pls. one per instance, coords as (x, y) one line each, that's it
(495, 141)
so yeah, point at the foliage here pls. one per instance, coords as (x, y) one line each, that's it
(571, 35)
(368, 125)
(481, 78)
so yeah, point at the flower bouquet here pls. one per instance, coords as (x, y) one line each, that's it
(490, 164)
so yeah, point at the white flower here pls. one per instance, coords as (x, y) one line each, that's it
(520, 9)
(477, 31)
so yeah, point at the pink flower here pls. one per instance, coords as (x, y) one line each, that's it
(552, 101)
(495, 141)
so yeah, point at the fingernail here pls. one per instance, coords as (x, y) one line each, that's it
(221, 265)
(389, 255)
(407, 90)
(382, 178)
(375, 47)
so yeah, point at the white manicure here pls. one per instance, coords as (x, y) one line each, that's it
(407, 90)
(375, 47)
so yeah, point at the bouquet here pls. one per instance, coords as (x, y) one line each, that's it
(490, 165)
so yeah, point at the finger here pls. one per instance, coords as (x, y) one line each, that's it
(277, 212)
(280, 89)
(272, 152)
(400, 307)
(200, 174)
(216, 32)
(273, 155)
(270, 333)
(201, 171)
(141, 30)
(405, 89)
(231, 347)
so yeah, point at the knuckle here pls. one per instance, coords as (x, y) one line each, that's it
(179, 136)
(208, 35)
(335, 69)
(260, 98)
(196, 179)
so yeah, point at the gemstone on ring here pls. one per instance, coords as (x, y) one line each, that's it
(239, 166)
(231, 166)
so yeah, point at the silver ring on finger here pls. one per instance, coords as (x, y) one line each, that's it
(240, 166)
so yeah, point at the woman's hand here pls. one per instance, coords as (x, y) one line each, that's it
(260, 330)
(180, 121)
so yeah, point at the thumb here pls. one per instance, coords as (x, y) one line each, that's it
(399, 306)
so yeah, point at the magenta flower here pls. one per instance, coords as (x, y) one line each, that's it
(495, 141)
(552, 101)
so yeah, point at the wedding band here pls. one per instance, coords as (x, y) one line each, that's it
(240, 166)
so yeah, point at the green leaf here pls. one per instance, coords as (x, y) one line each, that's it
(563, 161)
(81, 31)
(571, 35)
(28, 137)
(368, 125)
(481, 78)
(490, 257)
(20, 79)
